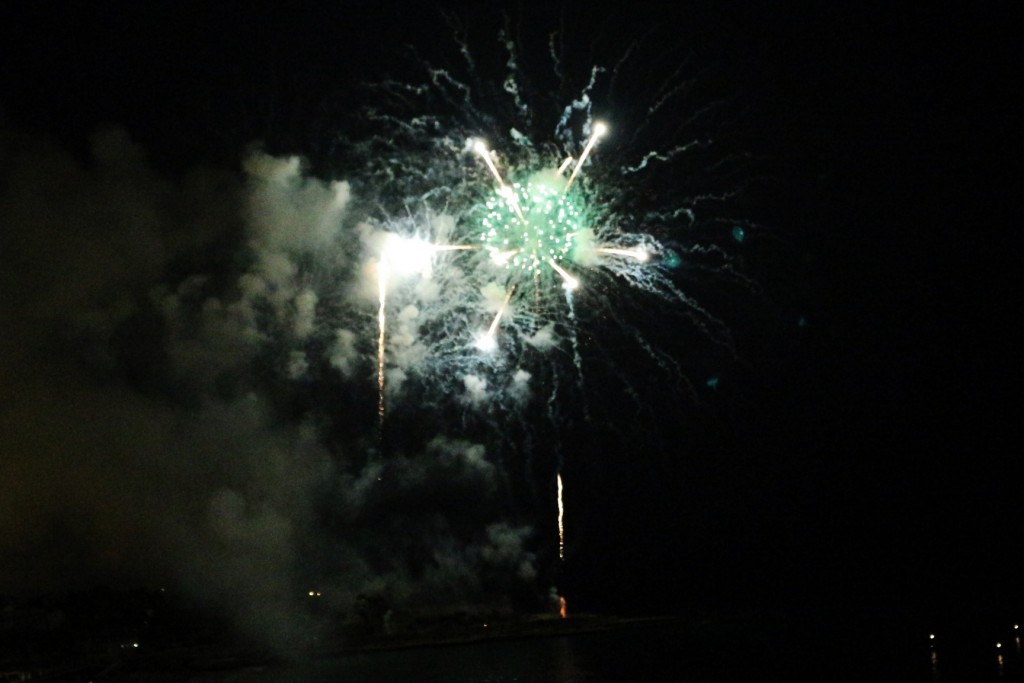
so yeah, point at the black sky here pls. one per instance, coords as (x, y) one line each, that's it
(868, 455)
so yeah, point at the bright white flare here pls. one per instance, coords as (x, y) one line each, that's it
(413, 255)
(599, 130)
(407, 255)
(486, 343)
(400, 256)
(403, 256)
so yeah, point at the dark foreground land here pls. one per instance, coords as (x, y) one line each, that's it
(108, 636)
(105, 635)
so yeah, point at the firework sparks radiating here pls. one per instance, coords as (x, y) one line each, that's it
(538, 220)
(569, 259)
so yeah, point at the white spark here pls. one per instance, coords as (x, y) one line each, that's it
(501, 258)
(487, 341)
(504, 190)
(640, 255)
(571, 283)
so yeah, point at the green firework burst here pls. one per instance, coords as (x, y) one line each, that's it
(546, 232)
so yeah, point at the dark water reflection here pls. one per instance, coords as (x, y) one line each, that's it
(662, 653)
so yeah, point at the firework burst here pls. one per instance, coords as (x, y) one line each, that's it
(513, 262)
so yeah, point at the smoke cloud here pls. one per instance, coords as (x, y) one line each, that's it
(158, 337)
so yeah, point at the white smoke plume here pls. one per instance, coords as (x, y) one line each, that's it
(156, 337)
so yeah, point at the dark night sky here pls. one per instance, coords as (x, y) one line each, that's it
(867, 457)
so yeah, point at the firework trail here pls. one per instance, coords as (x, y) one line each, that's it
(382, 289)
(561, 519)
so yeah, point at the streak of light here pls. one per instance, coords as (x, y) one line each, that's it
(453, 247)
(480, 148)
(488, 342)
(382, 289)
(501, 258)
(561, 527)
(640, 255)
(565, 165)
(571, 283)
(504, 190)
(599, 130)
